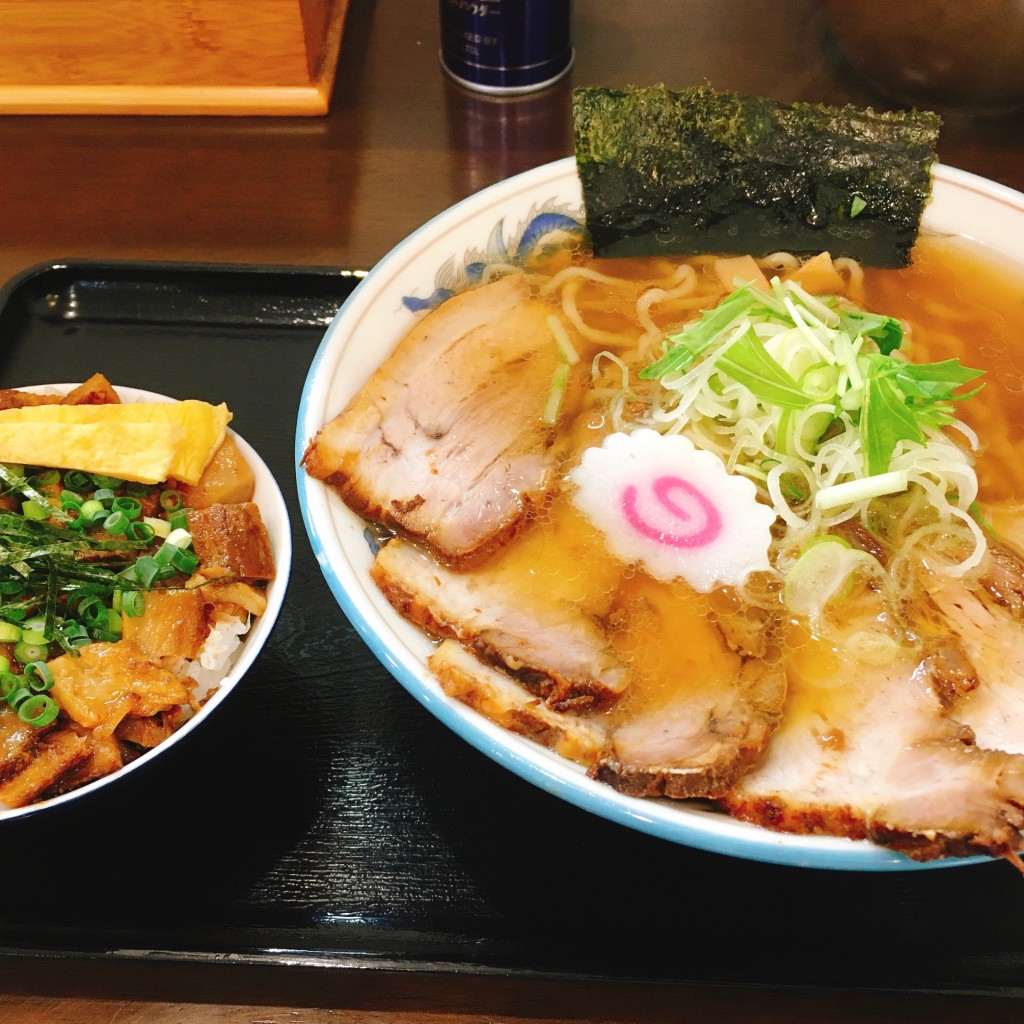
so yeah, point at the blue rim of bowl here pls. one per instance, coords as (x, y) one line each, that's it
(708, 831)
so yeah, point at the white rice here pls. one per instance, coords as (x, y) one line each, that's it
(215, 657)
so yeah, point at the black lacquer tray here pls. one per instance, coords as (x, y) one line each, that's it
(323, 817)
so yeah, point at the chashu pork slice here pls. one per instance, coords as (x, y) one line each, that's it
(552, 647)
(987, 623)
(701, 742)
(869, 748)
(708, 691)
(446, 440)
(499, 697)
(704, 717)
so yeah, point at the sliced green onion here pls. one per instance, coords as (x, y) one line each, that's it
(76, 480)
(177, 520)
(170, 552)
(27, 653)
(165, 553)
(822, 314)
(72, 635)
(38, 676)
(131, 507)
(116, 523)
(179, 538)
(92, 511)
(170, 499)
(852, 491)
(44, 478)
(823, 573)
(565, 346)
(106, 635)
(9, 684)
(185, 561)
(160, 527)
(33, 510)
(38, 710)
(78, 596)
(9, 633)
(34, 637)
(147, 568)
(19, 695)
(556, 395)
(140, 531)
(132, 602)
(819, 382)
(20, 484)
(92, 612)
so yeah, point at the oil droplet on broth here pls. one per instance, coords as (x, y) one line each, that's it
(560, 557)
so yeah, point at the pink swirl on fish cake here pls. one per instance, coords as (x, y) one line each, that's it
(708, 519)
(673, 510)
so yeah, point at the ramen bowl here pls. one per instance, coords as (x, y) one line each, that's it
(275, 516)
(504, 223)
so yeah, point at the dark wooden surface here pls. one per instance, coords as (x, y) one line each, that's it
(400, 144)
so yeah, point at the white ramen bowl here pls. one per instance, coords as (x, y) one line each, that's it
(274, 511)
(441, 256)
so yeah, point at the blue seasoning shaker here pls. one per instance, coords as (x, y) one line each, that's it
(506, 46)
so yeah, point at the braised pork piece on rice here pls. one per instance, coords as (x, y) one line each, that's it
(720, 529)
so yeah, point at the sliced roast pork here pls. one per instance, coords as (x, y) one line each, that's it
(987, 622)
(556, 650)
(869, 748)
(694, 747)
(499, 697)
(709, 690)
(695, 715)
(446, 441)
(17, 742)
(700, 743)
(56, 754)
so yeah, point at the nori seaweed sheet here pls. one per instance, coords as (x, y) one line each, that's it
(699, 171)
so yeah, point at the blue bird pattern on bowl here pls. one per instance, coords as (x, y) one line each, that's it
(547, 226)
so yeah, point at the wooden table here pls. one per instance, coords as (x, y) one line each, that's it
(401, 143)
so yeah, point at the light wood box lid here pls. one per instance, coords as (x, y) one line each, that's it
(169, 56)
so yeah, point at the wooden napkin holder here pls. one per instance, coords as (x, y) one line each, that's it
(169, 56)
